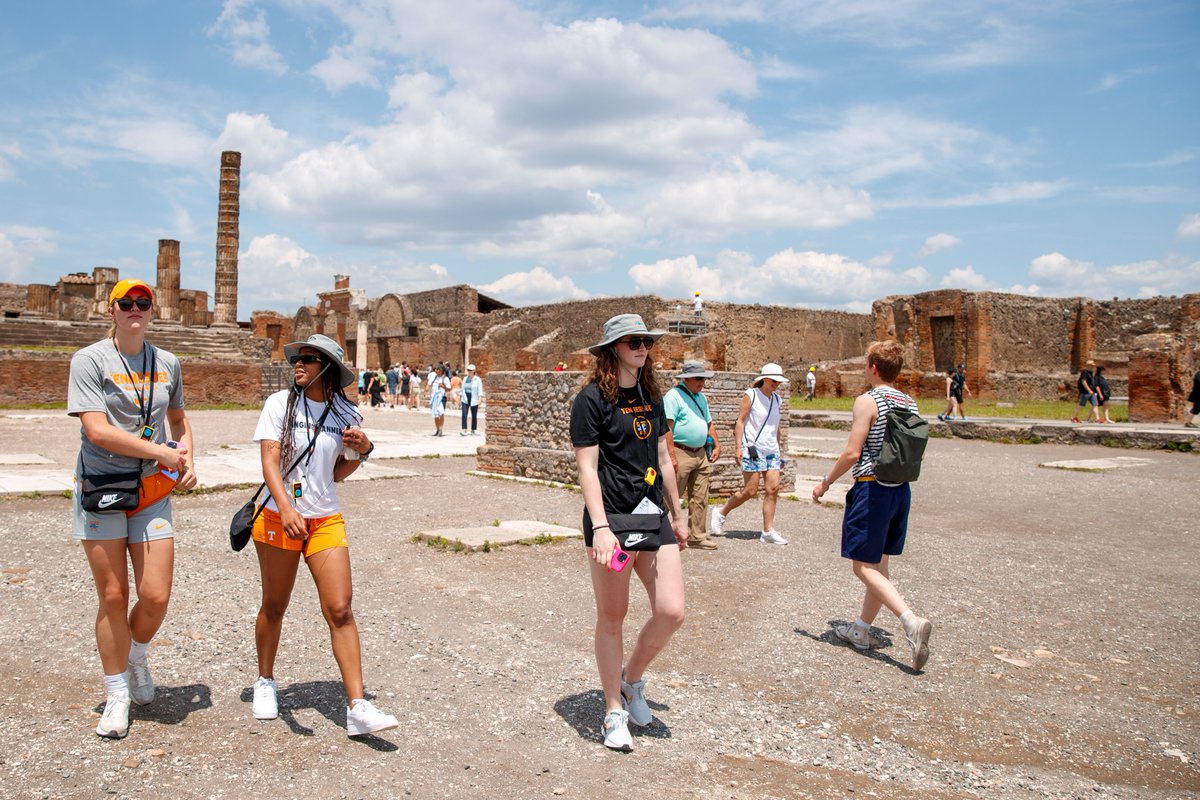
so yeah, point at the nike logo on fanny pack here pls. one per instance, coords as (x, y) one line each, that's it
(634, 538)
(108, 500)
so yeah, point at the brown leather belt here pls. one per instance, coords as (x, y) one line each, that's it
(864, 478)
(689, 449)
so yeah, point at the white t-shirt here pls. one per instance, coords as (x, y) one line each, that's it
(762, 423)
(319, 497)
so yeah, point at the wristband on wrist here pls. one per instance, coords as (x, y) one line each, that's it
(598, 527)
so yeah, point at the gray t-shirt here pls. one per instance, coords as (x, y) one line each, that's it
(100, 381)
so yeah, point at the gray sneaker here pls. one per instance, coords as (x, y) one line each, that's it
(633, 695)
(851, 633)
(917, 633)
(141, 685)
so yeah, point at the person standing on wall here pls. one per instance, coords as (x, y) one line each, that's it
(472, 394)
(1086, 385)
(758, 449)
(693, 444)
(697, 305)
(312, 431)
(810, 384)
(619, 434)
(127, 394)
(875, 523)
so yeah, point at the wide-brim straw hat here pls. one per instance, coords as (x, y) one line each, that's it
(694, 369)
(772, 371)
(330, 348)
(623, 325)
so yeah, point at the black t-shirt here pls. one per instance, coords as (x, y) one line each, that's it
(956, 383)
(1102, 384)
(1086, 376)
(627, 433)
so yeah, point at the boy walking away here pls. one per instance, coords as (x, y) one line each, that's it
(1086, 384)
(876, 518)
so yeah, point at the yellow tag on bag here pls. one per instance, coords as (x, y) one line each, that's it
(651, 475)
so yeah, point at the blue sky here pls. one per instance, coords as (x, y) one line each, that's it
(822, 153)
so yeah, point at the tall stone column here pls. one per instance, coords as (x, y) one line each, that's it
(39, 300)
(225, 297)
(166, 290)
(104, 279)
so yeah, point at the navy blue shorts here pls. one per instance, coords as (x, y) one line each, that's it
(876, 521)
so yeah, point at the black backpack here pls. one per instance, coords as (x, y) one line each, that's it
(904, 442)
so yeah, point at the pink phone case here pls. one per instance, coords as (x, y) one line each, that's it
(619, 559)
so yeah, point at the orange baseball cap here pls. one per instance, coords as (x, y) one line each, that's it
(128, 285)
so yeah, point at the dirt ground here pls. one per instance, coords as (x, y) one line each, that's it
(1063, 659)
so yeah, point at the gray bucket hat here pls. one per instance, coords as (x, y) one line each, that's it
(330, 348)
(622, 325)
(694, 369)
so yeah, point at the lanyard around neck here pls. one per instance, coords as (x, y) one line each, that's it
(145, 405)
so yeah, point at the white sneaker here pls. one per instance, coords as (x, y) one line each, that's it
(266, 705)
(363, 717)
(141, 685)
(772, 537)
(716, 522)
(114, 723)
(917, 633)
(861, 639)
(616, 731)
(633, 696)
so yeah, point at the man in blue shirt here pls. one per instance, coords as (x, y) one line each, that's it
(689, 429)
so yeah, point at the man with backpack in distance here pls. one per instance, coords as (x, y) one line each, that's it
(883, 453)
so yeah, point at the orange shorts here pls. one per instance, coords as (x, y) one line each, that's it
(323, 533)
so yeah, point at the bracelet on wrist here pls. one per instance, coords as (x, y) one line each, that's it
(598, 527)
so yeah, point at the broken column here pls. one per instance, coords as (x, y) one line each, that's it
(166, 289)
(103, 279)
(39, 301)
(225, 297)
(1160, 374)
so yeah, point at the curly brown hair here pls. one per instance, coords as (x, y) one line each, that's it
(605, 376)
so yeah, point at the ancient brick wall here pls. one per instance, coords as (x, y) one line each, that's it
(13, 298)
(42, 378)
(273, 327)
(1161, 367)
(528, 422)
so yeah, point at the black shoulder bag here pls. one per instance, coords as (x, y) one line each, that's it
(243, 521)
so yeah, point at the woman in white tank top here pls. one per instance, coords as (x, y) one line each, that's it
(758, 450)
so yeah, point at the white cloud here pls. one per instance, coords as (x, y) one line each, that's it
(267, 259)
(1189, 227)
(8, 152)
(720, 203)
(510, 126)
(247, 33)
(262, 145)
(787, 277)
(966, 278)
(346, 66)
(1112, 80)
(20, 247)
(937, 243)
(715, 12)
(534, 287)
(1058, 275)
(585, 240)
(871, 143)
(1001, 194)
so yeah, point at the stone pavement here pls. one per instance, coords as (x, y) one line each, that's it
(227, 455)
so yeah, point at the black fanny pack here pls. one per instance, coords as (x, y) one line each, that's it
(117, 491)
(641, 531)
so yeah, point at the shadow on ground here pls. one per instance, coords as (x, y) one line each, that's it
(328, 698)
(585, 711)
(876, 653)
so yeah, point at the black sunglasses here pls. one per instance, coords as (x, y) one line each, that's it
(638, 342)
(127, 303)
(304, 358)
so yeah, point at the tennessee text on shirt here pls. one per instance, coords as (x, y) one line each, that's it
(334, 429)
(635, 409)
(139, 378)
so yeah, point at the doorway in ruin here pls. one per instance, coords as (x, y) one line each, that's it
(941, 330)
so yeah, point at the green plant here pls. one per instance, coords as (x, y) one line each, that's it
(495, 523)
(487, 546)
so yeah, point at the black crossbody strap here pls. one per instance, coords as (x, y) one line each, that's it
(311, 443)
(766, 419)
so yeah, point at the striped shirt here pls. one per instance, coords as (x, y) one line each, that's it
(886, 398)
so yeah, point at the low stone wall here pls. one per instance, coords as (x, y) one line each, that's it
(529, 414)
(33, 378)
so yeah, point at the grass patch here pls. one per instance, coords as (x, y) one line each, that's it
(1181, 447)
(930, 407)
(225, 406)
(58, 406)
